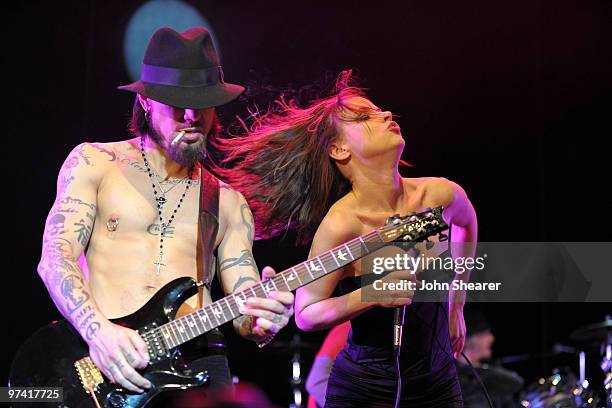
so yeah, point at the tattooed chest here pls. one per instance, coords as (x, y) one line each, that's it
(125, 209)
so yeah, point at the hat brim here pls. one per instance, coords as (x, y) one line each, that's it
(187, 97)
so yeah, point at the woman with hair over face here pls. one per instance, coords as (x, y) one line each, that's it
(330, 171)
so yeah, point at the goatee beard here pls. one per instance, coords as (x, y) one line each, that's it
(188, 155)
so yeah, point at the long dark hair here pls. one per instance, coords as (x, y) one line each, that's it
(282, 166)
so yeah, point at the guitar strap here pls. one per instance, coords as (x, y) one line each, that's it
(208, 226)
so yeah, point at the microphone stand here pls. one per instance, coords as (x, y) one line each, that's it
(399, 313)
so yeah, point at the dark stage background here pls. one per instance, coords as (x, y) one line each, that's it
(511, 99)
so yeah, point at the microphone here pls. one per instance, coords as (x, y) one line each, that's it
(398, 324)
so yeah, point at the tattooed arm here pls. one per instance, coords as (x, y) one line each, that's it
(238, 271)
(114, 349)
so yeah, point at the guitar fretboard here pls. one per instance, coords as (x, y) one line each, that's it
(176, 332)
(194, 324)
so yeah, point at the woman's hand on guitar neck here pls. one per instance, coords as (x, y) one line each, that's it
(118, 351)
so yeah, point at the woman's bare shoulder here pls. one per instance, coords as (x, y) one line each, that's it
(431, 191)
(340, 224)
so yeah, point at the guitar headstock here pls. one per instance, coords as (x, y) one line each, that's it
(414, 227)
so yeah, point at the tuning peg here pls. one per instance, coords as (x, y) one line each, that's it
(394, 219)
(442, 237)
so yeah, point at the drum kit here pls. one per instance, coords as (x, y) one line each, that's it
(563, 389)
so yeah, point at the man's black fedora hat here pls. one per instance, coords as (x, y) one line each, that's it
(182, 70)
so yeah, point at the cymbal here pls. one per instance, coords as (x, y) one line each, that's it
(499, 380)
(593, 332)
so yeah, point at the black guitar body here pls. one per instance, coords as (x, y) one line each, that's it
(47, 358)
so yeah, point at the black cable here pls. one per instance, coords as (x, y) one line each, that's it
(484, 389)
(399, 315)
(398, 394)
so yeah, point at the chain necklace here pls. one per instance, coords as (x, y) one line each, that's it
(162, 198)
(160, 201)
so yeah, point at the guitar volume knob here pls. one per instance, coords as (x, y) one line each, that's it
(116, 399)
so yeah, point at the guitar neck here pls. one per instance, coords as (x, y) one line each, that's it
(209, 317)
(412, 228)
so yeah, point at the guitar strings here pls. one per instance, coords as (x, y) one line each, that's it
(172, 325)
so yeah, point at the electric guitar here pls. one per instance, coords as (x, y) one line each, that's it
(56, 356)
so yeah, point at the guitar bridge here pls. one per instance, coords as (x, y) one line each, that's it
(89, 374)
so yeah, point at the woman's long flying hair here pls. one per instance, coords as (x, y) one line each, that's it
(282, 166)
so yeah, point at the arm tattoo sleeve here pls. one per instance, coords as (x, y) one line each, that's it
(245, 259)
(242, 280)
(247, 220)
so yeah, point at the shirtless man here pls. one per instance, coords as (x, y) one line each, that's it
(134, 206)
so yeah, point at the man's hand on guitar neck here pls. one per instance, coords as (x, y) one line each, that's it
(269, 315)
(118, 351)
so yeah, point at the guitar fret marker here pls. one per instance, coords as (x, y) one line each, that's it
(334, 257)
(314, 267)
(195, 330)
(229, 307)
(268, 286)
(297, 275)
(239, 301)
(206, 317)
(305, 265)
(217, 312)
(349, 251)
(341, 255)
(197, 325)
(177, 332)
(273, 283)
(286, 283)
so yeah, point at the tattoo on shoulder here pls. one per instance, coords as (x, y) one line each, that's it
(139, 166)
(245, 259)
(80, 151)
(72, 161)
(112, 154)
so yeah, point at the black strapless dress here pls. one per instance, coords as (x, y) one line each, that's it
(364, 373)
